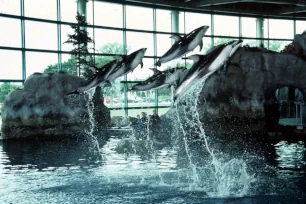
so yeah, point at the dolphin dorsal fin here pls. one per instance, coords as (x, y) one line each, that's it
(155, 71)
(176, 37)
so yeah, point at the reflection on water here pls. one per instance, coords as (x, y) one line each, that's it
(291, 155)
(67, 172)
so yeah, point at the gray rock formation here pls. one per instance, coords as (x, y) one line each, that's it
(101, 114)
(42, 109)
(243, 91)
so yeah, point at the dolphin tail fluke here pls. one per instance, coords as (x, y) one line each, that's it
(74, 92)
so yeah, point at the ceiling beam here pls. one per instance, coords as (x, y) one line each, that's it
(214, 2)
(287, 11)
(220, 2)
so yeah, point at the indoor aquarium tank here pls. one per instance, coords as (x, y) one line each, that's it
(180, 108)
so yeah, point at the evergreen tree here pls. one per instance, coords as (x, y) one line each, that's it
(80, 41)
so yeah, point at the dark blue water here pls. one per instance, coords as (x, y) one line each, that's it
(69, 172)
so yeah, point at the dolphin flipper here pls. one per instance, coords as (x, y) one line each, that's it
(141, 64)
(201, 45)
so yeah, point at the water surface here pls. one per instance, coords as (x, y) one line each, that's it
(69, 172)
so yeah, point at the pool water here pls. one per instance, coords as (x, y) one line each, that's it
(69, 172)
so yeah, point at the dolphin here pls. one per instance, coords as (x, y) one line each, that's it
(99, 77)
(127, 64)
(161, 79)
(205, 65)
(183, 45)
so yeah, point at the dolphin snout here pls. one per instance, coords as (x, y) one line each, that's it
(237, 42)
(204, 28)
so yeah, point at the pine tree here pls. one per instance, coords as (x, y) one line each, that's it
(80, 41)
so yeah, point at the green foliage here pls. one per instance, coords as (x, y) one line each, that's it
(80, 41)
(110, 48)
(277, 46)
(68, 66)
(5, 89)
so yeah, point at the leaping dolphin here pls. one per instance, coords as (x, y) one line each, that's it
(183, 45)
(127, 64)
(99, 77)
(161, 79)
(205, 65)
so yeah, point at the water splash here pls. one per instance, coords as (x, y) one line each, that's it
(220, 177)
(92, 139)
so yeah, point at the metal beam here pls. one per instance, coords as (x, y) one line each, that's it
(215, 2)
(220, 2)
(287, 11)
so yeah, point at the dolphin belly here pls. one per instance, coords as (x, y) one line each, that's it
(220, 59)
(120, 71)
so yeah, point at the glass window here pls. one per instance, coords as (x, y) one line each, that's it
(163, 44)
(113, 95)
(195, 20)
(5, 89)
(174, 63)
(248, 27)
(230, 28)
(34, 62)
(11, 64)
(206, 46)
(89, 12)
(139, 18)
(106, 14)
(138, 111)
(300, 27)
(65, 31)
(182, 22)
(282, 29)
(162, 111)
(139, 73)
(163, 20)
(68, 64)
(109, 41)
(102, 60)
(139, 99)
(164, 96)
(10, 7)
(41, 35)
(277, 46)
(117, 112)
(250, 43)
(40, 9)
(11, 36)
(69, 10)
(219, 41)
(136, 41)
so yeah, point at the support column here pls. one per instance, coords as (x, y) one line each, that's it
(174, 29)
(82, 7)
(260, 31)
(82, 11)
(175, 21)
